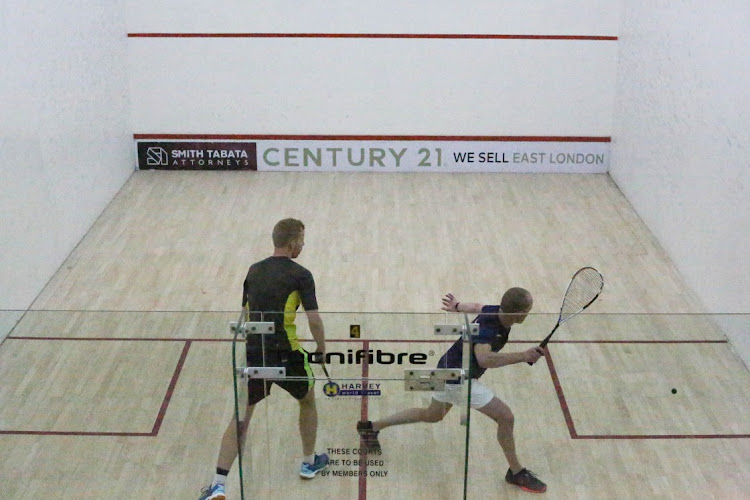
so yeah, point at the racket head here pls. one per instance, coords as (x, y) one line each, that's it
(584, 288)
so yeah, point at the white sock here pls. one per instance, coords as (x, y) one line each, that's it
(219, 479)
(310, 459)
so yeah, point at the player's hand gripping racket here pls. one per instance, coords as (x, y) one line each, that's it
(318, 357)
(325, 370)
(583, 289)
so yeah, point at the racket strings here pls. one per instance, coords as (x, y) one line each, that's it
(584, 287)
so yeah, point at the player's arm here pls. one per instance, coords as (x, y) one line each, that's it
(315, 322)
(488, 359)
(310, 304)
(450, 304)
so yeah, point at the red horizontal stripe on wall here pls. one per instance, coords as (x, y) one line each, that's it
(267, 137)
(373, 35)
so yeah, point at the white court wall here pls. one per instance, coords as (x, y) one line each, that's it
(681, 141)
(331, 85)
(65, 137)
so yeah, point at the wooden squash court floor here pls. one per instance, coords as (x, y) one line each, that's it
(118, 384)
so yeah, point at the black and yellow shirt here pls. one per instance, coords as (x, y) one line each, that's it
(273, 291)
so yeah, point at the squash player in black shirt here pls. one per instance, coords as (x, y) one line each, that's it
(273, 291)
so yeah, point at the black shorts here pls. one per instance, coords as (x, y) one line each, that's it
(296, 364)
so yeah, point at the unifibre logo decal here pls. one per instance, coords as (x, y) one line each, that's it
(370, 357)
(201, 155)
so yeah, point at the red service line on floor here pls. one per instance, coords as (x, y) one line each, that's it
(569, 418)
(159, 417)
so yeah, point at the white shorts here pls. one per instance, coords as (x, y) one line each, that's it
(480, 395)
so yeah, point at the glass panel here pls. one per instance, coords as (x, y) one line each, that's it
(372, 359)
(110, 398)
(240, 416)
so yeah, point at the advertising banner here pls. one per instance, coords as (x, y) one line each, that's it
(361, 155)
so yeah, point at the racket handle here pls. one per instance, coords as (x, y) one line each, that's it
(532, 364)
(542, 345)
(544, 342)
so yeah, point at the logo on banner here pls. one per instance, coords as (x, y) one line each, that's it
(197, 155)
(339, 155)
(157, 157)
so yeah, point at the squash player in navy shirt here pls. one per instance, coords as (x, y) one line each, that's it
(495, 322)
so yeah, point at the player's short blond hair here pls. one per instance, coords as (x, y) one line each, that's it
(286, 232)
(516, 300)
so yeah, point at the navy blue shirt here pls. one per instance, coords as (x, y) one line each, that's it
(491, 332)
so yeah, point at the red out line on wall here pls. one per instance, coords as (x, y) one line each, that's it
(437, 36)
(316, 137)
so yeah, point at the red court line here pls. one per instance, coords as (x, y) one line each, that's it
(76, 433)
(357, 341)
(432, 36)
(362, 483)
(365, 372)
(170, 389)
(571, 424)
(560, 396)
(122, 339)
(662, 436)
(180, 339)
(159, 417)
(348, 137)
(716, 341)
